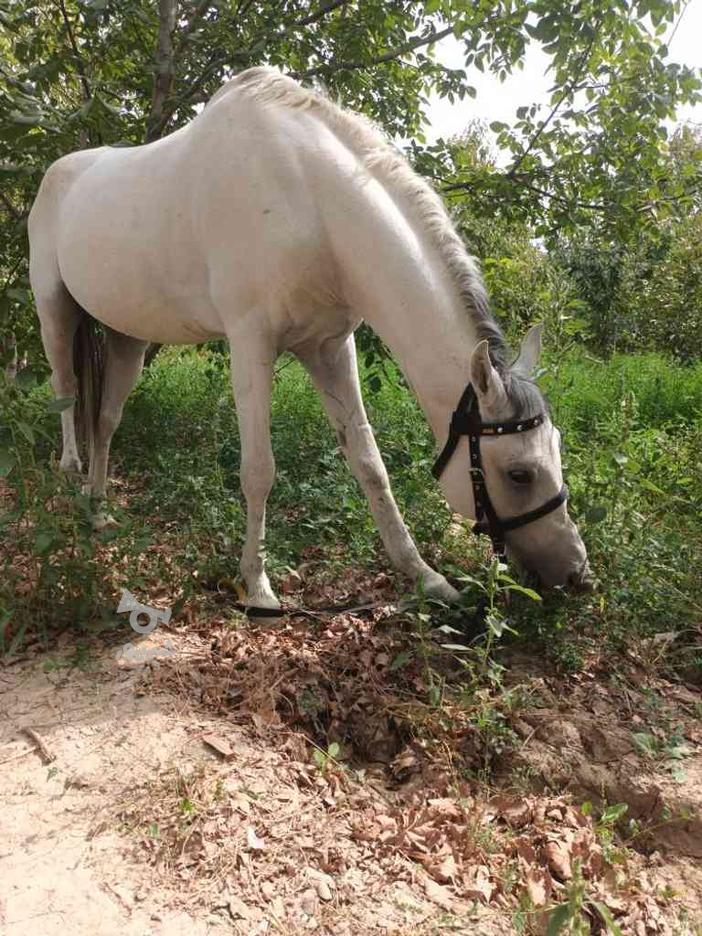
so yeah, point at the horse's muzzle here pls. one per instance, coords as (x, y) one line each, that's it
(582, 582)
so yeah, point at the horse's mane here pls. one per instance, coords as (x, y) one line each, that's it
(386, 163)
(418, 198)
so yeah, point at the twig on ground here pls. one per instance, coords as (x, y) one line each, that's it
(16, 756)
(46, 754)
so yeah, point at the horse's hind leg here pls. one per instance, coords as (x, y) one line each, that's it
(60, 315)
(335, 373)
(252, 360)
(124, 360)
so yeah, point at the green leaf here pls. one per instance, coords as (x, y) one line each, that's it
(614, 813)
(5, 618)
(596, 513)
(26, 379)
(319, 757)
(645, 743)
(333, 750)
(558, 918)
(497, 625)
(43, 541)
(402, 659)
(607, 917)
(529, 592)
(59, 404)
(26, 431)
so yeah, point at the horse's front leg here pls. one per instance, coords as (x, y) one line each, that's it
(252, 375)
(335, 373)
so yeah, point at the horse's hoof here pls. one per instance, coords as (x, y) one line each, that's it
(435, 585)
(101, 521)
(266, 601)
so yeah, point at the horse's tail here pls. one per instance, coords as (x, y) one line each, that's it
(89, 367)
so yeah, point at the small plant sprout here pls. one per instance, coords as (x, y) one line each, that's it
(324, 758)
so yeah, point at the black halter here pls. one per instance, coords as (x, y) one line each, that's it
(466, 421)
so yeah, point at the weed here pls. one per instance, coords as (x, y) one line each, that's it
(573, 915)
(632, 434)
(324, 758)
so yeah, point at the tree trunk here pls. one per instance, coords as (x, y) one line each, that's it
(163, 82)
(165, 68)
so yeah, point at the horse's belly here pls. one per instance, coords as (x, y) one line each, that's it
(127, 255)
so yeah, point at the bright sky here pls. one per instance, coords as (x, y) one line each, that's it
(499, 101)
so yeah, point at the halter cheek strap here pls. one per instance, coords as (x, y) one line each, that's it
(466, 421)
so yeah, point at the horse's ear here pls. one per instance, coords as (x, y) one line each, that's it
(530, 351)
(485, 379)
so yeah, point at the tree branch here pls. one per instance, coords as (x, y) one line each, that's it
(320, 14)
(190, 95)
(415, 43)
(165, 68)
(569, 88)
(163, 81)
(10, 208)
(191, 24)
(80, 65)
(561, 199)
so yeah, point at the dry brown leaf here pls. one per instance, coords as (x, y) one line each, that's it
(525, 850)
(538, 885)
(557, 856)
(219, 744)
(438, 894)
(253, 841)
(445, 871)
(446, 808)
(322, 883)
(479, 887)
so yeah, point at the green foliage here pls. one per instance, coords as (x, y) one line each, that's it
(632, 434)
(574, 914)
(80, 73)
(661, 300)
(50, 573)
(634, 289)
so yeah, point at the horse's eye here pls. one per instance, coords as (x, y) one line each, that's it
(521, 476)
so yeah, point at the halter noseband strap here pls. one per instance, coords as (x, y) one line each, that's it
(466, 421)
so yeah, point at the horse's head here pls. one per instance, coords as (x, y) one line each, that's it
(516, 449)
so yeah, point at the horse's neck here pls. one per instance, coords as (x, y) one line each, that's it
(419, 315)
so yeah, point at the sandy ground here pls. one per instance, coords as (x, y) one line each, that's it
(97, 833)
(67, 866)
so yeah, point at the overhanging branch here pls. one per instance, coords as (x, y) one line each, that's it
(417, 43)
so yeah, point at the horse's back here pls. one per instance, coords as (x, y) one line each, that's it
(160, 241)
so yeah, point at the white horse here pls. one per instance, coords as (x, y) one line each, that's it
(279, 221)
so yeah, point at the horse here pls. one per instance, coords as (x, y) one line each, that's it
(279, 221)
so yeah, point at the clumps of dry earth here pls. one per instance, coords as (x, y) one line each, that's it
(341, 775)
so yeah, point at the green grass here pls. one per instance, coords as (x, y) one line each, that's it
(632, 429)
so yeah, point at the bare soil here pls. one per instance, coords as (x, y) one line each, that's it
(171, 784)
